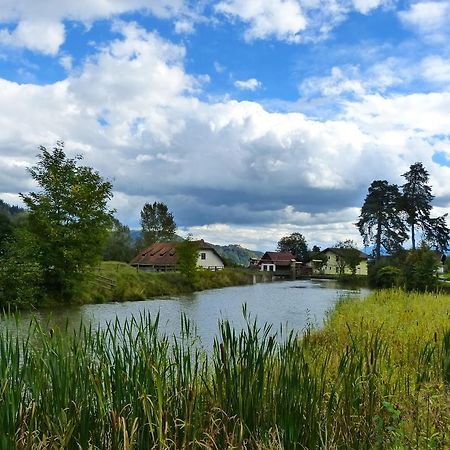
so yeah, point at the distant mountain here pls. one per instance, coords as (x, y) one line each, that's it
(233, 252)
(237, 254)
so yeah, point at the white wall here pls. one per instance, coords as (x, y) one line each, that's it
(211, 260)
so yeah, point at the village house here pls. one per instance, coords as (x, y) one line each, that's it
(276, 261)
(333, 261)
(162, 257)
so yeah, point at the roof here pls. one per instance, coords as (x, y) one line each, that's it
(278, 258)
(164, 254)
(343, 251)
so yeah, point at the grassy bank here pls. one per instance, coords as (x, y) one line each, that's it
(114, 281)
(376, 376)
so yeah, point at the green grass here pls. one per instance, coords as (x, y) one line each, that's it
(376, 376)
(115, 281)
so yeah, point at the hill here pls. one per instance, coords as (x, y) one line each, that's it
(237, 254)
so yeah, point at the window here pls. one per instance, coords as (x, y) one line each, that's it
(202, 255)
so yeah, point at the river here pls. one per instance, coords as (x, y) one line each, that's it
(295, 305)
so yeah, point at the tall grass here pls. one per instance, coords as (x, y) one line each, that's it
(376, 376)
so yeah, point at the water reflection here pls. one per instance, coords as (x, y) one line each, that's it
(293, 304)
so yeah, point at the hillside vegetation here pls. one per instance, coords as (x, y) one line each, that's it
(116, 281)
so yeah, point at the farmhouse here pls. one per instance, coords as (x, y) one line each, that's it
(335, 261)
(276, 261)
(162, 257)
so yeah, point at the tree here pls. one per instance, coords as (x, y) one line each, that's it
(380, 221)
(119, 245)
(348, 256)
(417, 198)
(294, 243)
(68, 217)
(420, 270)
(187, 255)
(157, 223)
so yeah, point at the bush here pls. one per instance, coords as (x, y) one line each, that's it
(420, 270)
(387, 277)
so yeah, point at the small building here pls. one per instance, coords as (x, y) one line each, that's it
(332, 261)
(162, 257)
(277, 261)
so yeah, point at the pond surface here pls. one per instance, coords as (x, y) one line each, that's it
(295, 305)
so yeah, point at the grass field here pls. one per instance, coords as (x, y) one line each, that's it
(376, 376)
(121, 282)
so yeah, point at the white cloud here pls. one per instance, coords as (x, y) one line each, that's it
(262, 174)
(282, 19)
(252, 84)
(430, 18)
(293, 20)
(38, 35)
(38, 24)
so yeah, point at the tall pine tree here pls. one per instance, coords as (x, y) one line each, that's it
(380, 222)
(417, 198)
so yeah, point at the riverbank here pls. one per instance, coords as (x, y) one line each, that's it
(376, 376)
(115, 281)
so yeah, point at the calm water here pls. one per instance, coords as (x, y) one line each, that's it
(293, 304)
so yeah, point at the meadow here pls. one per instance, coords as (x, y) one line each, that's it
(375, 376)
(116, 281)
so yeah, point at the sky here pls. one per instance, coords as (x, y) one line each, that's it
(250, 119)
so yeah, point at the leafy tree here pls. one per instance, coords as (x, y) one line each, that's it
(349, 256)
(6, 231)
(20, 271)
(157, 223)
(294, 243)
(420, 270)
(187, 255)
(417, 198)
(119, 245)
(68, 217)
(380, 221)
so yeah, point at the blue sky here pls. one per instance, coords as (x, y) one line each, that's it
(250, 119)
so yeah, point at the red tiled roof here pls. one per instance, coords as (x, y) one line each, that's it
(278, 258)
(164, 254)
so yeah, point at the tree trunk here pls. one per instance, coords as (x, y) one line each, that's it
(413, 236)
(378, 241)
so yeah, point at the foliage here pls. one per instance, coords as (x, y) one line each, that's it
(187, 256)
(380, 221)
(68, 218)
(417, 198)
(119, 282)
(20, 272)
(236, 255)
(374, 377)
(348, 256)
(387, 277)
(420, 270)
(157, 223)
(296, 244)
(119, 245)
(6, 231)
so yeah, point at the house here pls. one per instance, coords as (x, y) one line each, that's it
(162, 257)
(334, 261)
(276, 261)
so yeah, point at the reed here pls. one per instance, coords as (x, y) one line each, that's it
(376, 376)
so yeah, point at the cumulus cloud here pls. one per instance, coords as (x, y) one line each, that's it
(39, 24)
(293, 21)
(252, 84)
(282, 19)
(134, 113)
(429, 18)
(45, 36)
